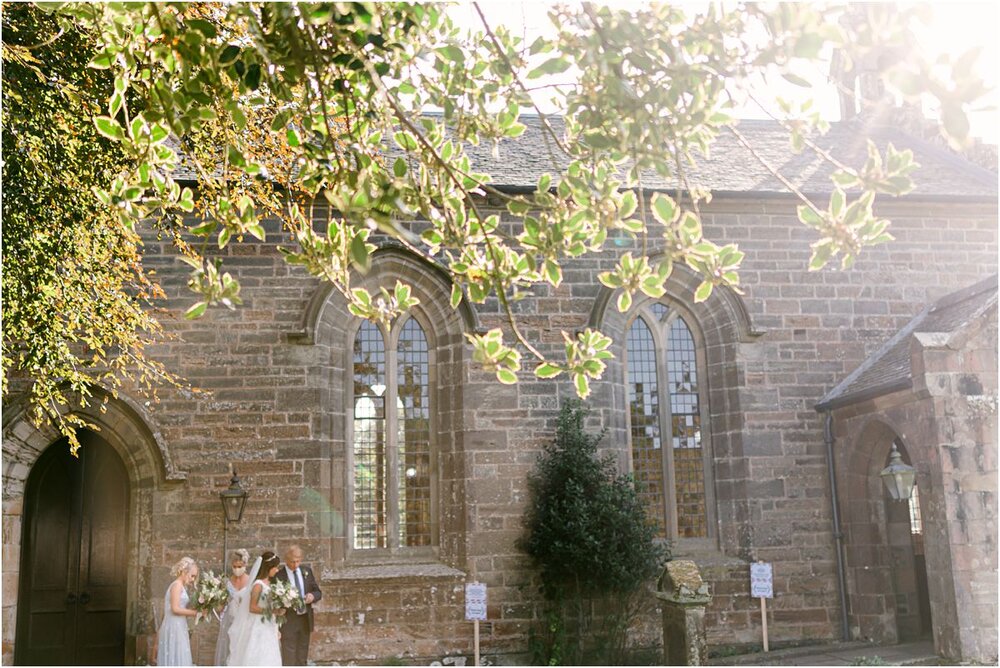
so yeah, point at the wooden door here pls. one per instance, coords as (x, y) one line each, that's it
(72, 595)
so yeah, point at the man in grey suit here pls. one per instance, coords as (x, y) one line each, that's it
(298, 626)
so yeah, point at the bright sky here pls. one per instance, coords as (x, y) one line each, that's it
(954, 28)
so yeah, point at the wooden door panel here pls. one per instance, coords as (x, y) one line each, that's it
(74, 552)
(103, 552)
(52, 537)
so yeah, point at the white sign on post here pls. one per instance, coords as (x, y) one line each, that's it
(475, 601)
(762, 587)
(761, 580)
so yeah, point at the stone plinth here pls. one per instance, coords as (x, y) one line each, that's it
(683, 595)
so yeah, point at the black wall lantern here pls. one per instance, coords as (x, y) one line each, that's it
(234, 500)
(898, 476)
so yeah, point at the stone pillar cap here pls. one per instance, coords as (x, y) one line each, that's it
(681, 582)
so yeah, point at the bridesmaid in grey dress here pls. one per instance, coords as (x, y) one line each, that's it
(236, 584)
(174, 648)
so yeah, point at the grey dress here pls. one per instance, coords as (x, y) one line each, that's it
(175, 644)
(222, 644)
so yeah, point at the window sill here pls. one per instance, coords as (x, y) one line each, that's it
(424, 571)
(703, 551)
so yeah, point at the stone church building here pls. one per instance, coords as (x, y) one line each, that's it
(756, 426)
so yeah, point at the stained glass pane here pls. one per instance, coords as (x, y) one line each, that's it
(413, 406)
(370, 483)
(689, 465)
(643, 398)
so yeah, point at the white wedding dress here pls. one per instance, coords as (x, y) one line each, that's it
(253, 640)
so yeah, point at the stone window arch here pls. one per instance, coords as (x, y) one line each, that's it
(430, 522)
(723, 334)
(669, 432)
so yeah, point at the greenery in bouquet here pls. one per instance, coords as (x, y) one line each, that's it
(211, 594)
(283, 595)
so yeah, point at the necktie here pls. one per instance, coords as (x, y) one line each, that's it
(302, 589)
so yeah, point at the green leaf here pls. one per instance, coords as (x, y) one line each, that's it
(202, 26)
(822, 251)
(229, 54)
(405, 141)
(281, 120)
(115, 105)
(359, 252)
(158, 133)
(102, 61)
(452, 53)
(553, 273)
(506, 376)
(837, 201)
(196, 311)
(293, 138)
(555, 65)
(362, 296)
(664, 208)
(703, 292)
(582, 385)
(239, 118)
(399, 167)
(793, 78)
(547, 370)
(627, 205)
(252, 78)
(456, 295)
(107, 127)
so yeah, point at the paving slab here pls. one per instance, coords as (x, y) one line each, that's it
(838, 654)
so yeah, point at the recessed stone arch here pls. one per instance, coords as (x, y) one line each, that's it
(122, 423)
(329, 325)
(875, 562)
(719, 325)
(389, 260)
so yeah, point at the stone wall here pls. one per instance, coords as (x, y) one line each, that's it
(948, 426)
(270, 399)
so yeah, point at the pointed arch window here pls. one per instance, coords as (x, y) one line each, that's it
(392, 476)
(669, 459)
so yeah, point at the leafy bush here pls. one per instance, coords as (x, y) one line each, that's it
(588, 535)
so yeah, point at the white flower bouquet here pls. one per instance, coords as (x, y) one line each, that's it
(210, 595)
(282, 595)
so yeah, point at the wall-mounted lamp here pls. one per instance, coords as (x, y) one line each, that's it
(899, 478)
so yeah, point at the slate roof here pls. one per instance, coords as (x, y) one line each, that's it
(731, 169)
(888, 369)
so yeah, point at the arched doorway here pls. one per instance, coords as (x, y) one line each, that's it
(905, 534)
(72, 595)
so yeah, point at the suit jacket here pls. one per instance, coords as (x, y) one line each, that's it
(308, 582)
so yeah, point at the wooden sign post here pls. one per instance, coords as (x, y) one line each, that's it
(475, 610)
(762, 587)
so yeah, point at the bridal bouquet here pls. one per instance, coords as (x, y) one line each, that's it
(210, 595)
(282, 595)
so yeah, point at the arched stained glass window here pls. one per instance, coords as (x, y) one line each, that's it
(662, 356)
(392, 483)
(644, 414)
(414, 440)
(370, 476)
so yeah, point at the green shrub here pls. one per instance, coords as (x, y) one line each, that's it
(588, 535)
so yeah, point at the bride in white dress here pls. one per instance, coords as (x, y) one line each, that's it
(254, 640)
